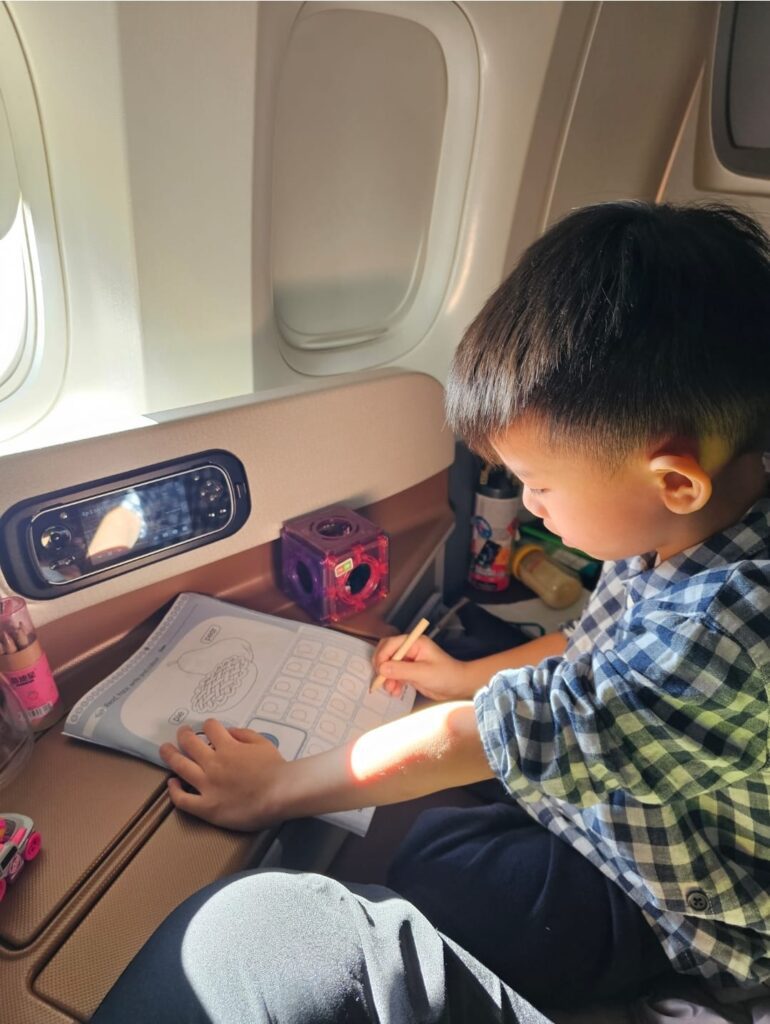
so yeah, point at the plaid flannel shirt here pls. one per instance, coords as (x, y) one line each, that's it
(646, 745)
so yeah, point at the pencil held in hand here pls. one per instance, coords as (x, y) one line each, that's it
(401, 653)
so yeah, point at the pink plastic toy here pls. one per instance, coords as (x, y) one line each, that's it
(19, 842)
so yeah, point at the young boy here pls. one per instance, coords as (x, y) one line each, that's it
(622, 372)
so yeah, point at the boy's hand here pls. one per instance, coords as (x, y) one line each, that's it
(233, 773)
(242, 781)
(429, 669)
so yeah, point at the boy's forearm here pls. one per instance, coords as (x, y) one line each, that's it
(531, 653)
(433, 749)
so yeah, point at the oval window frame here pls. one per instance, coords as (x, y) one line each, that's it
(325, 355)
(31, 389)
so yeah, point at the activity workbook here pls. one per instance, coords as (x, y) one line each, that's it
(305, 688)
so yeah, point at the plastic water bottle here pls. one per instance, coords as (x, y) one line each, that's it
(494, 529)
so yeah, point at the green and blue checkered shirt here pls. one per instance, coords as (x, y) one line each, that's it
(645, 746)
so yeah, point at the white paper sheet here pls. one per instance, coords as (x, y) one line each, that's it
(306, 688)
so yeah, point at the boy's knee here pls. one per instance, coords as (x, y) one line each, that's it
(274, 944)
(278, 945)
(296, 947)
(263, 907)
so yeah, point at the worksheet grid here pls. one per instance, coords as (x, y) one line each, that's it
(323, 689)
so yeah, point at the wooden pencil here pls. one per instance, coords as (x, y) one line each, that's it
(9, 643)
(22, 638)
(402, 651)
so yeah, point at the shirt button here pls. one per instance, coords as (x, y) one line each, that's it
(697, 900)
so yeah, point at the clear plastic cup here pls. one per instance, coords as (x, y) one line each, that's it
(16, 629)
(15, 735)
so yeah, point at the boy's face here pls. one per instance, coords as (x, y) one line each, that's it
(608, 514)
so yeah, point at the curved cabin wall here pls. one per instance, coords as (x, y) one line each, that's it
(354, 444)
(164, 150)
(197, 188)
(618, 85)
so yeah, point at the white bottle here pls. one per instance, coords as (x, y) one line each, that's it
(494, 529)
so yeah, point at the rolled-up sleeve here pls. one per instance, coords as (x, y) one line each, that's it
(674, 709)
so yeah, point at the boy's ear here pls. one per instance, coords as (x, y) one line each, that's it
(683, 484)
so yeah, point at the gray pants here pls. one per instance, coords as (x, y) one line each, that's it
(286, 948)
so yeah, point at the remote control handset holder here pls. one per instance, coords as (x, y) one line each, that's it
(334, 562)
(55, 543)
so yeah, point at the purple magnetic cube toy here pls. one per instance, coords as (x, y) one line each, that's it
(334, 562)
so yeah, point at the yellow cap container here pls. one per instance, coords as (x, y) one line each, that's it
(555, 585)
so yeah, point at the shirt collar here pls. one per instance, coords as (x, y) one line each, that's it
(747, 539)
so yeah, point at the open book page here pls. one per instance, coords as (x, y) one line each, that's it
(305, 688)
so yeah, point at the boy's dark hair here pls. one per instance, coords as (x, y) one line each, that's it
(625, 323)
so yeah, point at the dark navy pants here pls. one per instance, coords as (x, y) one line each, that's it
(526, 905)
(495, 908)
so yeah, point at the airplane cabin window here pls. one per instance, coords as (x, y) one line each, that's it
(32, 323)
(374, 130)
(740, 114)
(17, 295)
(256, 198)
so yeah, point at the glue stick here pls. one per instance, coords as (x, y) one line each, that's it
(24, 665)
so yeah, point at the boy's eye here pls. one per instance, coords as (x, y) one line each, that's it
(537, 490)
